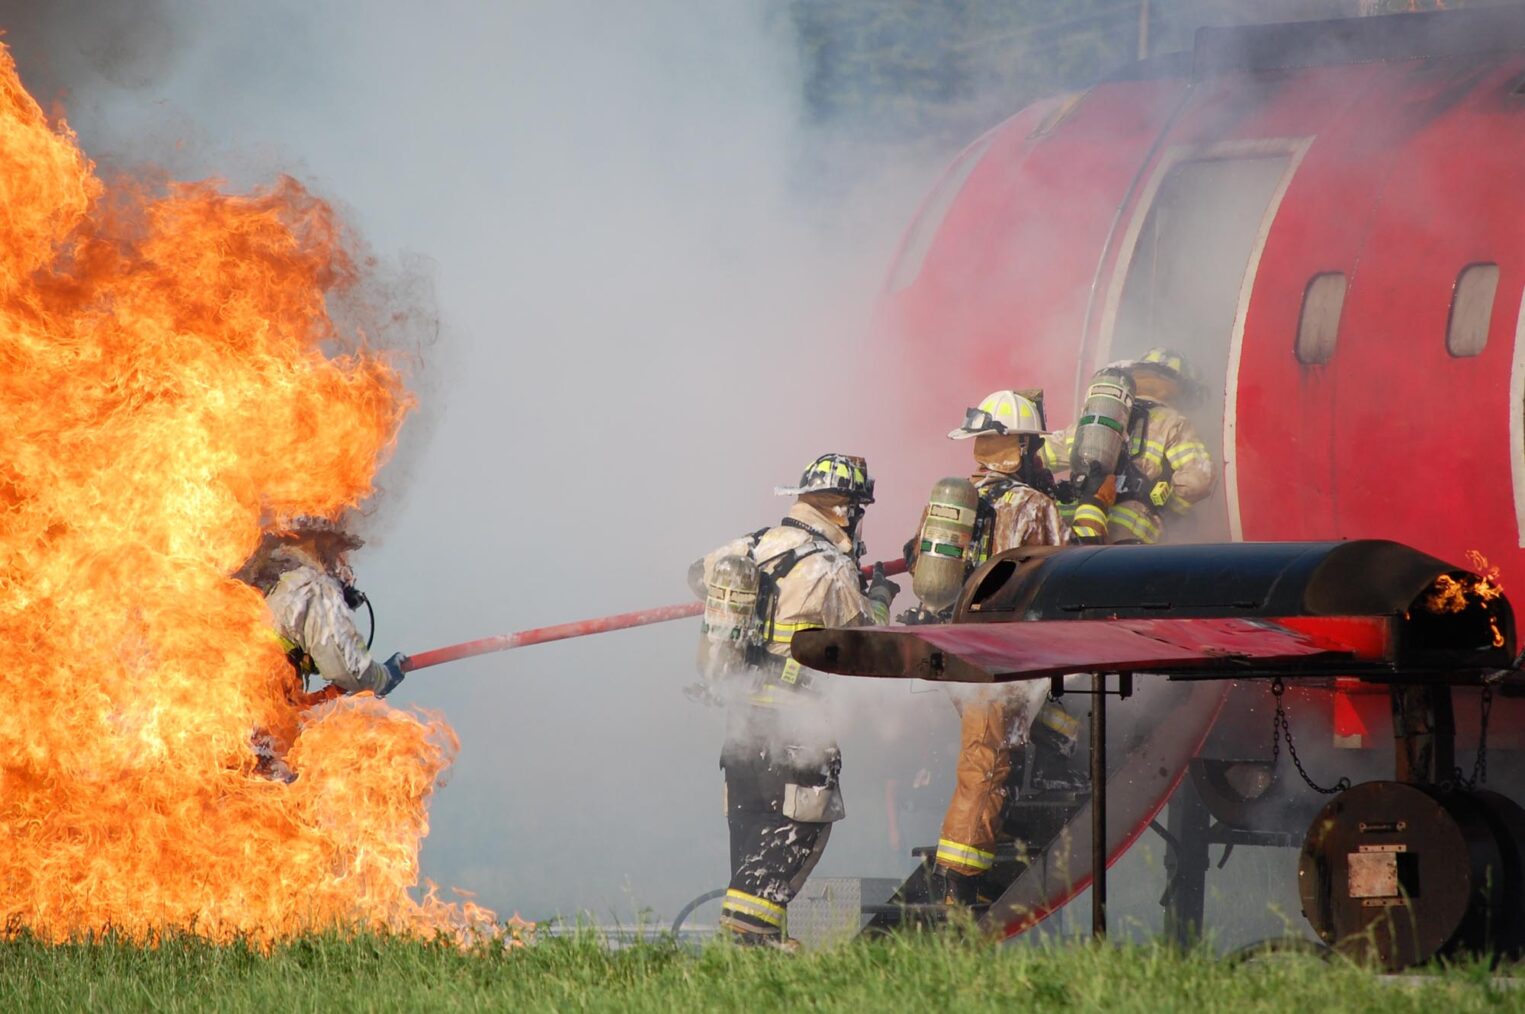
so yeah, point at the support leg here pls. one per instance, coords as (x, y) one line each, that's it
(1098, 806)
(1424, 733)
(1186, 862)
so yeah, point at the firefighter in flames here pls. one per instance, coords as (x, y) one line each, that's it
(780, 758)
(303, 572)
(1006, 504)
(1163, 470)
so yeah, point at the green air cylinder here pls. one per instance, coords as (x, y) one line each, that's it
(1102, 430)
(942, 563)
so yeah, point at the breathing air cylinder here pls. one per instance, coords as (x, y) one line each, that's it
(942, 563)
(1102, 432)
(730, 624)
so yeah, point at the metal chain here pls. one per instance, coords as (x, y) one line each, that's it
(1281, 729)
(1480, 765)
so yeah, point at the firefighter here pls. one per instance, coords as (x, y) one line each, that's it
(303, 572)
(1015, 509)
(780, 757)
(1166, 469)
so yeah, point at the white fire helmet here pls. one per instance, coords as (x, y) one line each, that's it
(1003, 413)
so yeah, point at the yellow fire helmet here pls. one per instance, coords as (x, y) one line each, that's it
(1003, 413)
(1169, 362)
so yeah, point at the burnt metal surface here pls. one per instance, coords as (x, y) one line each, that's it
(1400, 874)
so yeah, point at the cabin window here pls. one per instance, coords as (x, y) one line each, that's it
(1472, 309)
(1319, 325)
(919, 242)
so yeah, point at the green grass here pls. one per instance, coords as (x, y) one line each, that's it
(334, 972)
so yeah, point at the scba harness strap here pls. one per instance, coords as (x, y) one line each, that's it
(778, 672)
(984, 516)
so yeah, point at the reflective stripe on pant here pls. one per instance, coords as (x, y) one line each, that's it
(984, 762)
(963, 858)
(752, 911)
(771, 855)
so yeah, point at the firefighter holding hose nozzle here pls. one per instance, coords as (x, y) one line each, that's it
(302, 569)
(1135, 461)
(780, 756)
(1006, 504)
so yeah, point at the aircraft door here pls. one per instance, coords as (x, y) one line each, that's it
(1190, 268)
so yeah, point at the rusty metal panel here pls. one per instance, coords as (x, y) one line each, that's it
(1373, 875)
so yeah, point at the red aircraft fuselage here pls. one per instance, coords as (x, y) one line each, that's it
(1326, 217)
(1329, 220)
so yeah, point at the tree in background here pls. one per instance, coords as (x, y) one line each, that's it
(941, 71)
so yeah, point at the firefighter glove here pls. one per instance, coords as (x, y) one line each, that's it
(394, 668)
(881, 589)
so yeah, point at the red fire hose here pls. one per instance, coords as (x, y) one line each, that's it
(577, 628)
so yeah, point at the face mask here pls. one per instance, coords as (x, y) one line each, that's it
(1001, 453)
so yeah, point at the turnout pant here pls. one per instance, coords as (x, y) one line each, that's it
(973, 822)
(772, 852)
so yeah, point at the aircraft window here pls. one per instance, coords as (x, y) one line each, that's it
(925, 229)
(1472, 309)
(1320, 323)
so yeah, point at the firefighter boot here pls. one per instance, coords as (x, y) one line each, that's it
(954, 890)
(743, 935)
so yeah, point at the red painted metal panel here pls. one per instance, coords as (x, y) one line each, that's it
(1002, 296)
(1413, 168)
(1453, 198)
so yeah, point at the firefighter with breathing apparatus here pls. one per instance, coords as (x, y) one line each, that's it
(780, 757)
(1135, 461)
(1006, 504)
(302, 569)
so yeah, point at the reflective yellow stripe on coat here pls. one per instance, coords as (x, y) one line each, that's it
(1089, 521)
(1135, 523)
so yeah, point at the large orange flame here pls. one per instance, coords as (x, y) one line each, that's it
(163, 387)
